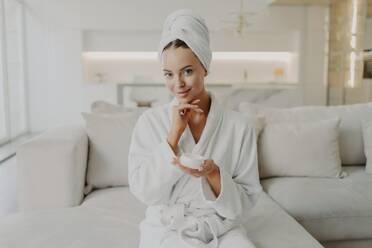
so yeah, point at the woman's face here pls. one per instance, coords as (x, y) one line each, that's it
(184, 74)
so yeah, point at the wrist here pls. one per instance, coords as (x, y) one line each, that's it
(173, 142)
(173, 136)
(214, 173)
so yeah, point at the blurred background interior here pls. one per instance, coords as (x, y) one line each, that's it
(60, 56)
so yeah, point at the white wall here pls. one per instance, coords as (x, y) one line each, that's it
(58, 31)
(368, 34)
(314, 56)
(54, 70)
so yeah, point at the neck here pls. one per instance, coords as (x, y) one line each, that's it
(205, 102)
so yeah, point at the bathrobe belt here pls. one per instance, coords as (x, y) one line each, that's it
(186, 221)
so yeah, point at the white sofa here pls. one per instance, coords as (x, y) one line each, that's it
(55, 211)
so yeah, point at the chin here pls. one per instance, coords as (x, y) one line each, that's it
(189, 98)
(183, 99)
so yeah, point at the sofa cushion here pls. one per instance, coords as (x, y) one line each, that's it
(361, 243)
(300, 149)
(109, 141)
(110, 218)
(351, 137)
(269, 224)
(51, 169)
(264, 226)
(68, 227)
(329, 208)
(367, 137)
(116, 199)
(103, 107)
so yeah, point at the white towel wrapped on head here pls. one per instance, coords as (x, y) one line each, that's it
(186, 25)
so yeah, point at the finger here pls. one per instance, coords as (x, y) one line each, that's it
(193, 172)
(196, 174)
(195, 101)
(209, 171)
(196, 109)
(175, 157)
(187, 105)
(183, 112)
(199, 110)
(208, 162)
(203, 166)
(207, 166)
(175, 160)
(185, 169)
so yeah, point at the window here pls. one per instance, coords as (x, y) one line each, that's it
(13, 114)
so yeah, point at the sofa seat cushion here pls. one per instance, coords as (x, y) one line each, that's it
(264, 226)
(116, 199)
(268, 225)
(361, 243)
(68, 227)
(330, 209)
(110, 218)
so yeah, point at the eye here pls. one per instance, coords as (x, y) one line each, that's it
(188, 71)
(167, 75)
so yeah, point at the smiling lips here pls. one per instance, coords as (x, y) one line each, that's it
(183, 93)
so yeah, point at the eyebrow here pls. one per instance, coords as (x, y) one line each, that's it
(181, 68)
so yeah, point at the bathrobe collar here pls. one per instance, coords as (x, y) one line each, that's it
(214, 119)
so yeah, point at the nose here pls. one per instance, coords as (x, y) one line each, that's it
(180, 82)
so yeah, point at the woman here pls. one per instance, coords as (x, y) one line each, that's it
(190, 207)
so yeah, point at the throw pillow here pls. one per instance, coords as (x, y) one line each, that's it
(300, 149)
(109, 141)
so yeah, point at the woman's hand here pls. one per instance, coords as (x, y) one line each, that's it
(209, 170)
(180, 116)
(206, 169)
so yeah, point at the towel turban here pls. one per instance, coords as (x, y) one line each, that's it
(189, 27)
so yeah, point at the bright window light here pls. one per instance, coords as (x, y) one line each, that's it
(262, 56)
(121, 55)
(220, 56)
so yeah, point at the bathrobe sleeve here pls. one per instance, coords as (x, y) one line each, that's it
(239, 191)
(151, 173)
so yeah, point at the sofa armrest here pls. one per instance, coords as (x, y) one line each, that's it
(51, 169)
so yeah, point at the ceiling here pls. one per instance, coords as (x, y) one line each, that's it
(317, 2)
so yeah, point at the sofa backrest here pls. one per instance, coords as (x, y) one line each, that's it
(350, 131)
(109, 128)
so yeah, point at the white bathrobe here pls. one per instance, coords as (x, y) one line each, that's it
(183, 210)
